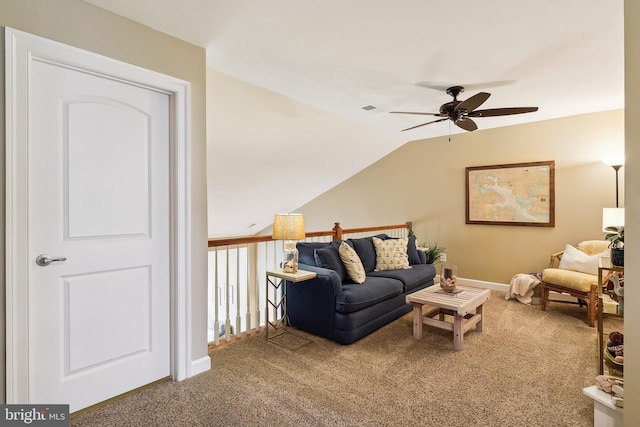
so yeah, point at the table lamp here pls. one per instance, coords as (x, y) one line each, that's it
(289, 227)
(612, 217)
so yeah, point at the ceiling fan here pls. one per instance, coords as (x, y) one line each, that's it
(461, 112)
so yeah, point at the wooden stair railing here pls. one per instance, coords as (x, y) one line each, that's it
(336, 234)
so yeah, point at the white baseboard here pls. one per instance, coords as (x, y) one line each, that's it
(484, 285)
(201, 365)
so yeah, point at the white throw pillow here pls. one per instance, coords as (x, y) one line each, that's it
(576, 260)
(391, 254)
(352, 263)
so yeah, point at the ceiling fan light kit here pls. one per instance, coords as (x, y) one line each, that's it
(461, 112)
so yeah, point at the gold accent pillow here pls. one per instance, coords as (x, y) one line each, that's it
(391, 254)
(352, 263)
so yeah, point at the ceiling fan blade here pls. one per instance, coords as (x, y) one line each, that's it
(424, 124)
(422, 114)
(474, 102)
(466, 124)
(502, 111)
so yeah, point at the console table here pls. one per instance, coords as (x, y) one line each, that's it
(604, 264)
(605, 413)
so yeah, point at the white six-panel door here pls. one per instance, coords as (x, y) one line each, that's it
(97, 236)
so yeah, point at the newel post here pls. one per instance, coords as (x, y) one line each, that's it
(337, 232)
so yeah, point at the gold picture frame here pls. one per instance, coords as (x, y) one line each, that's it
(511, 194)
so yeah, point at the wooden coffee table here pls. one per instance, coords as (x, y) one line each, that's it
(459, 306)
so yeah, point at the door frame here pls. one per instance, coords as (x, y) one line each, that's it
(20, 50)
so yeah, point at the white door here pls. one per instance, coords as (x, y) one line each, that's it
(98, 205)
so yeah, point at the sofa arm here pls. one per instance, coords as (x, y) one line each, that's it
(422, 256)
(311, 304)
(325, 275)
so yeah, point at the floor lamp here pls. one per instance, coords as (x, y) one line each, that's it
(613, 217)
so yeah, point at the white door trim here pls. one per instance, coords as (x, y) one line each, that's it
(20, 49)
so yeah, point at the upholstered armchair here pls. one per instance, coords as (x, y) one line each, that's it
(574, 271)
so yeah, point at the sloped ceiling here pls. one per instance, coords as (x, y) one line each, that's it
(288, 79)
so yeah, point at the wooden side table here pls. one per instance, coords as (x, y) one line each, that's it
(276, 280)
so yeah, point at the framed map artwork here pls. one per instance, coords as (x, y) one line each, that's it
(514, 194)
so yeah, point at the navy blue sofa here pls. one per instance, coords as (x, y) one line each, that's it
(332, 306)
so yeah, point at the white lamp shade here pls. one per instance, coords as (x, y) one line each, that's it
(289, 226)
(612, 217)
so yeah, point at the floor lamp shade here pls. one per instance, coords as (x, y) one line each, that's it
(289, 227)
(612, 217)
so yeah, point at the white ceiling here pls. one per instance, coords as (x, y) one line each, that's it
(564, 56)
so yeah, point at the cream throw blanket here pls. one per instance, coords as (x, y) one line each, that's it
(521, 287)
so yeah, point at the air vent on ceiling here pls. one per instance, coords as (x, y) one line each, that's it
(368, 108)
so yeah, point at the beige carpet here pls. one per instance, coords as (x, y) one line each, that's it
(527, 368)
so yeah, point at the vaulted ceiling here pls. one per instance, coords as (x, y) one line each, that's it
(288, 81)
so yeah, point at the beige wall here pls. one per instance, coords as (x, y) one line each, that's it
(79, 24)
(424, 182)
(632, 208)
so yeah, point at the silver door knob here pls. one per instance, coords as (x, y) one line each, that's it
(44, 259)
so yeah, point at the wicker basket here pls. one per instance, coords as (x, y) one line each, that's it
(615, 368)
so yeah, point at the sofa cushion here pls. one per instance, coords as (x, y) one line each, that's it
(421, 256)
(411, 279)
(391, 254)
(366, 251)
(355, 297)
(412, 251)
(570, 279)
(306, 251)
(592, 247)
(352, 263)
(328, 257)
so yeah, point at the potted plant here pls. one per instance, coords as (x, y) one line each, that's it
(615, 236)
(432, 251)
